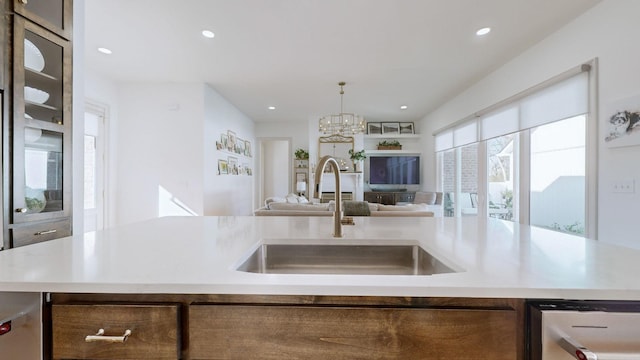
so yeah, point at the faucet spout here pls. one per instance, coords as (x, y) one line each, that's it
(337, 215)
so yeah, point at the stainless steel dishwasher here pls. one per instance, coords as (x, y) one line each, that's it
(20, 326)
(584, 330)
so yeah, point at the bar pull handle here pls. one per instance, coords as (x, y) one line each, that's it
(22, 210)
(100, 337)
(45, 232)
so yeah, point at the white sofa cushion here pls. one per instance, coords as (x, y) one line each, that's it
(409, 207)
(299, 207)
(295, 199)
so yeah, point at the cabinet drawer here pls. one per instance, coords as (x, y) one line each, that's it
(35, 233)
(154, 331)
(291, 332)
(405, 197)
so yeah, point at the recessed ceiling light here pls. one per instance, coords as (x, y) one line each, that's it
(208, 34)
(272, 107)
(105, 51)
(404, 107)
(483, 31)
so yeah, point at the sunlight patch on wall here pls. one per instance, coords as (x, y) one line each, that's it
(169, 205)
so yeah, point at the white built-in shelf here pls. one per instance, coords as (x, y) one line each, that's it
(392, 136)
(374, 152)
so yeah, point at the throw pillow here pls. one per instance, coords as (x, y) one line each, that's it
(273, 199)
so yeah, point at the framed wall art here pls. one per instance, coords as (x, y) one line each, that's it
(406, 128)
(374, 128)
(222, 167)
(622, 127)
(390, 128)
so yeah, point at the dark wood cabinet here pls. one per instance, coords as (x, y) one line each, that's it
(287, 327)
(37, 131)
(53, 15)
(389, 197)
(308, 332)
(127, 331)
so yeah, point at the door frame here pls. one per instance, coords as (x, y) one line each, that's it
(102, 111)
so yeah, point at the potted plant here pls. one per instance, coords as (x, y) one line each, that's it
(301, 154)
(389, 145)
(356, 157)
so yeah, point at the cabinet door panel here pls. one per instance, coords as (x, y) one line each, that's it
(289, 332)
(154, 331)
(53, 15)
(39, 232)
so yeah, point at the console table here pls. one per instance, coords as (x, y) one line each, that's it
(389, 197)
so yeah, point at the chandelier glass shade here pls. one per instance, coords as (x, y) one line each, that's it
(342, 123)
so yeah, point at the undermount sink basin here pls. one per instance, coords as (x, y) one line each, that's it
(343, 259)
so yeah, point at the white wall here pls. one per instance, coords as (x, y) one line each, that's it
(164, 135)
(226, 194)
(160, 144)
(608, 32)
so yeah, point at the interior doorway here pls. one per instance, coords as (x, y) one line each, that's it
(276, 165)
(94, 167)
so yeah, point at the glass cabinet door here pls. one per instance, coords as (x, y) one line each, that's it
(43, 82)
(42, 170)
(54, 15)
(41, 124)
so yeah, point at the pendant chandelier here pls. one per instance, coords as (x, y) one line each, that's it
(342, 123)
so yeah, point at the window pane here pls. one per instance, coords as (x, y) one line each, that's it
(500, 173)
(468, 195)
(557, 197)
(447, 169)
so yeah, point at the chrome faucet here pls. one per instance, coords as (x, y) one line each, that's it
(337, 216)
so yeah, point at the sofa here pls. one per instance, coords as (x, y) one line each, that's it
(433, 201)
(288, 207)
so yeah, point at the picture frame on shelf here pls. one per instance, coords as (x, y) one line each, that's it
(224, 141)
(247, 148)
(233, 165)
(239, 146)
(223, 169)
(231, 142)
(407, 128)
(374, 128)
(390, 128)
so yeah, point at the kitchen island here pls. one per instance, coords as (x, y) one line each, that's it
(184, 269)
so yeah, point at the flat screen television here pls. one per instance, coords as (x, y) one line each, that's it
(394, 170)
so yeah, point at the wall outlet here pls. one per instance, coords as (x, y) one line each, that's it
(624, 186)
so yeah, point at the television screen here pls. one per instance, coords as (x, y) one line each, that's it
(394, 170)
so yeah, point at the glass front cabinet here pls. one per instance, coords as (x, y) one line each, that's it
(39, 206)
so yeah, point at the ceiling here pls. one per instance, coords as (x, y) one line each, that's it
(292, 53)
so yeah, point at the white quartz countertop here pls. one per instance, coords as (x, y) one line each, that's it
(199, 255)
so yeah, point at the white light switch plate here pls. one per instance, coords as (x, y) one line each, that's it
(624, 186)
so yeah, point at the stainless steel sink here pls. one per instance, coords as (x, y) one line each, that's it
(343, 259)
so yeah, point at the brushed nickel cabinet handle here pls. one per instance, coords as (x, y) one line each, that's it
(45, 232)
(22, 210)
(100, 337)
